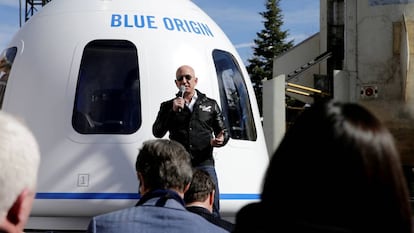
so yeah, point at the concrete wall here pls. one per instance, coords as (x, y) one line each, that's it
(274, 112)
(377, 55)
(378, 59)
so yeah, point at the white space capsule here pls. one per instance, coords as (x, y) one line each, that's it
(88, 77)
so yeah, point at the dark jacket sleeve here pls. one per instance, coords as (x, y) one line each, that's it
(161, 124)
(219, 125)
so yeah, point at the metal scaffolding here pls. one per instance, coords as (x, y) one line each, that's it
(32, 6)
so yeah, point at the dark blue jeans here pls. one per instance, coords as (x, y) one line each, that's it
(212, 171)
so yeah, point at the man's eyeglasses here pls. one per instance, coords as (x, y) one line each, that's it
(187, 76)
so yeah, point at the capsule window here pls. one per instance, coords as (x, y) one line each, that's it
(6, 63)
(235, 102)
(107, 99)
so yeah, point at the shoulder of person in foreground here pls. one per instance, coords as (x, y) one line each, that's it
(147, 219)
(19, 164)
(252, 218)
(257, 218)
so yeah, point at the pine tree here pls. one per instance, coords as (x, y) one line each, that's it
(270, 42)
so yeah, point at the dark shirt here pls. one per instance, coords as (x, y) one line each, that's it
(211, 217)
(259, 218)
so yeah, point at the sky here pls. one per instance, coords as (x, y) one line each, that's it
(239, 19)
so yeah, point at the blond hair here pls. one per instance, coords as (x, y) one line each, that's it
(19, 160)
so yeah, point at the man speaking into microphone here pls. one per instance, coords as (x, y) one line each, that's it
(195, 121)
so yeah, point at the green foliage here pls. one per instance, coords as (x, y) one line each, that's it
(270, 42)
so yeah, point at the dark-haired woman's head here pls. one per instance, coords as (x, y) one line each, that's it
(338, 165)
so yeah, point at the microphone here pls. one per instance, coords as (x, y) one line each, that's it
(182, 90)
(181, 94)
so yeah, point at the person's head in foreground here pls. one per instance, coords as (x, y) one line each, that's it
(337, 169)
(19, 163)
